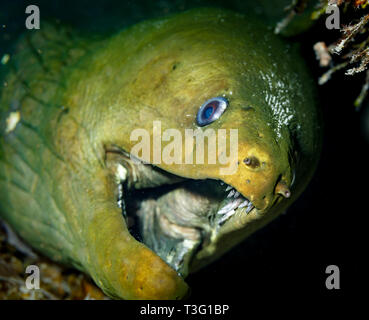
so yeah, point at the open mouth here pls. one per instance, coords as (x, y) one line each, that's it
(174, 216)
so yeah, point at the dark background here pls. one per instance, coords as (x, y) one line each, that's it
(286, 259)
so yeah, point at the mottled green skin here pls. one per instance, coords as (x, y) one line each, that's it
(77, 97)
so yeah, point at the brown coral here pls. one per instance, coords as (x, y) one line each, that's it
(350, 51)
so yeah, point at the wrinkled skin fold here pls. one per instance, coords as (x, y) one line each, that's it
(68, 184)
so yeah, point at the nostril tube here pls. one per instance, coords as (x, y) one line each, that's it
(247, 161)
(287, 193)
(252, 162)
(282, 189)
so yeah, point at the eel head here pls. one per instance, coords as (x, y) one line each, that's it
(208, 72)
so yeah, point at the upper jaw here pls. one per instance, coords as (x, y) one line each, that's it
(234, 202)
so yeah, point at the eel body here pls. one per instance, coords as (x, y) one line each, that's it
(76, 183)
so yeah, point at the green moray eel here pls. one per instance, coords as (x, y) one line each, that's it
(71, 185)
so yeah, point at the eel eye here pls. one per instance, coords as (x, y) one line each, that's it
(211, 110)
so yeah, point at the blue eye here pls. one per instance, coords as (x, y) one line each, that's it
(208, 112)
(211, 110)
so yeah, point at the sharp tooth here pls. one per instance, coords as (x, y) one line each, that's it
(244, 204)
(222, 211)
(226, 208)
(249, 207)
(120, 195)
(236, 203)
(228, 188)
(226, 216)
(231, 193)
(236, 194)
(123, 206)
(121, 173)
(229, 206)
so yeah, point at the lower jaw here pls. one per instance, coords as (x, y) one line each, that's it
(176, 242)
